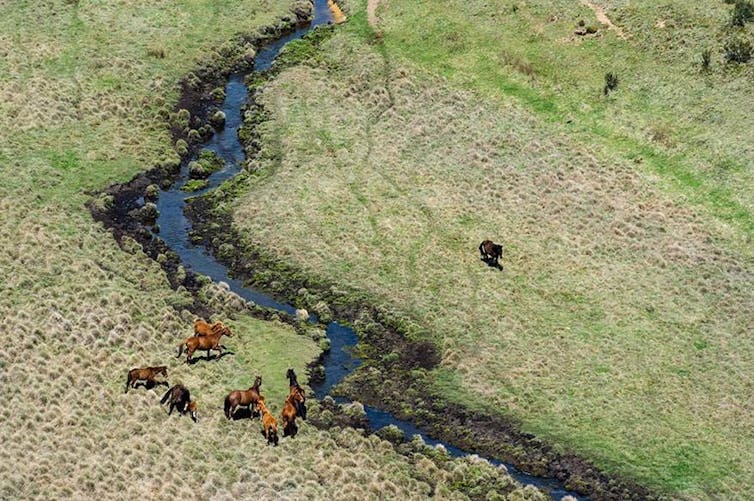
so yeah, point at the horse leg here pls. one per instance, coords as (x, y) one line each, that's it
(172, 404)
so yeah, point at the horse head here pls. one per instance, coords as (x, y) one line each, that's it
(226, 331)
(257, 382)
(162, 370)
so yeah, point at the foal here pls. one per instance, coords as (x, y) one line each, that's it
(146, 374)
(246, 398)
(269, 423)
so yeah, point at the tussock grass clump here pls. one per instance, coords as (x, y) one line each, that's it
(737, 50)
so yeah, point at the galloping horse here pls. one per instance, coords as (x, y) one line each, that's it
(293, 403)
(248, 398)
(145, 374)
(491, 252)
(180, 397)
(210, 342)
(202, 328)
(269, 423)
(300, 403)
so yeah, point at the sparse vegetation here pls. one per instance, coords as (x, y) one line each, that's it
(737, 50)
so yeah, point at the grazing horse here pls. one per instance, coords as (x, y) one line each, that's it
(293, 403)
(202, 328)
(295, 388)
(179, 397)
(491, 252)
(210, 342)
(145, 374)
(248, 398)
(269, 424)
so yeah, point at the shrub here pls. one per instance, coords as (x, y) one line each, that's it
(737, 50)
(743, 12)
(611, 82)
(706, 59)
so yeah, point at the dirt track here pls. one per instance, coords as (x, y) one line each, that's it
(372, 12)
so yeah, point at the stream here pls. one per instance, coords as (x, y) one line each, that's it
(339, 362)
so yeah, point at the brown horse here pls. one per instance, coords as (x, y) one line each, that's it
(300, 403)
(202, 328)
(293, 403)
(491, 253)
(146, 374)
(210, 342)
(248, 398)
(269, 423)
(179, 397)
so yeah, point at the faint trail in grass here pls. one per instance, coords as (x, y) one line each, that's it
(603, 18)
(372, 12)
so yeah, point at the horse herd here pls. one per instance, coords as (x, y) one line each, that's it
(207, 338)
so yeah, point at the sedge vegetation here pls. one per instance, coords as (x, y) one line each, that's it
(620, 328)
(86, 87)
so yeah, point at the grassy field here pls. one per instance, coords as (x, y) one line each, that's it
(620, 327)
(85, 89)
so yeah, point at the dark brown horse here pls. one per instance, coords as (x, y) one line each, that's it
(202, 328)
(300, 403)
(293, 403)
(179, 397)
(146, 374)
(248, 398)
(491, 253)
(208, 343)
(269, 424)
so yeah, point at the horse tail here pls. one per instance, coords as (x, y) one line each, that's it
(227, 407)
(166, 396)
(180, 348)
(128, 380)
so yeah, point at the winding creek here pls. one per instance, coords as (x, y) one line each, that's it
(174, 230)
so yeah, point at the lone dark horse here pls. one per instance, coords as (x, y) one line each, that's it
(491, 253)
(179, 397)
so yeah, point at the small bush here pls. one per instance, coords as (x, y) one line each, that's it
(706, 59)
(737, 50)
(611, 82)
(743, 12)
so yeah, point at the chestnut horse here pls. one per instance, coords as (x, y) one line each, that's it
(293, 403)
(491, 252)
(146, 374)
(202, 328)
(179, 397)
(248, 398)
(210, 342)
(269, 423)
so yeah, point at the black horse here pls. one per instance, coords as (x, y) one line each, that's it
(491, 253)
(179, 397)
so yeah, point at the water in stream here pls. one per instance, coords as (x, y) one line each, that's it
(174, 230)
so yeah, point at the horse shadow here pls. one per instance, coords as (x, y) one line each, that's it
(210, 358)
(150, 385)
(244, 413)
(492, 263)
